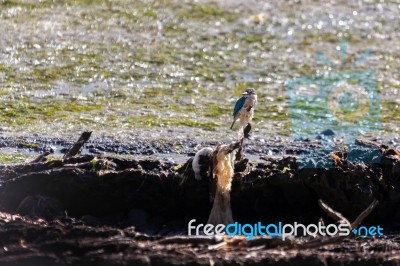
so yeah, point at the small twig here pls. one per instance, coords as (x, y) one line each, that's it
(319, 242)
(337, 216)
(364, 214)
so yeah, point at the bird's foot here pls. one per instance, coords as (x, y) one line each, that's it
(249, 136)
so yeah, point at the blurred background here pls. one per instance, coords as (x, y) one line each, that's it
(174, 69)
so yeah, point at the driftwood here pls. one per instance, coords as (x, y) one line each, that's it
(337, 216)
(221, 174)
(78, 144)
(319, 242)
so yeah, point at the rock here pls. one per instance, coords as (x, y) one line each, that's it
(326, 134)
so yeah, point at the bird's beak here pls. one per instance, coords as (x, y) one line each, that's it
(244, 93)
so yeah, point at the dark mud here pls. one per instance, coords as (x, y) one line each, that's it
(178, 150)
(94, 208)
(40, 243)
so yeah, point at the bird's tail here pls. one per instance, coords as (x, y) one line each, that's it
(232, 124)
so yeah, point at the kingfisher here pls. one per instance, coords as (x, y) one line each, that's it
(244, 108)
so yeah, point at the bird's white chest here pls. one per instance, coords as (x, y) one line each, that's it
(247, 111)
(245, 115)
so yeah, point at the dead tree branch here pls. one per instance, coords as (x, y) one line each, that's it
(78, 145)
(319, 242)
(337, 216)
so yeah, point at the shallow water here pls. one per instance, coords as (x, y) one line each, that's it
(173, 69)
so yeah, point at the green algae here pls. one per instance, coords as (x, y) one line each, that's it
(15, 158)
(158, 64)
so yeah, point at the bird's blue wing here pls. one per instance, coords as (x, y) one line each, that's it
(239, 104)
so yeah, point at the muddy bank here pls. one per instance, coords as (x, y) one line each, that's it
(94, 208)
(270, 190)
(168, 147)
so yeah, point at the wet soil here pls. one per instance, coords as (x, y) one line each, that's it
(107, 209)
(27, 242)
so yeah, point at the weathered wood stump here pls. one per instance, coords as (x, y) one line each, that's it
(221, 175)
